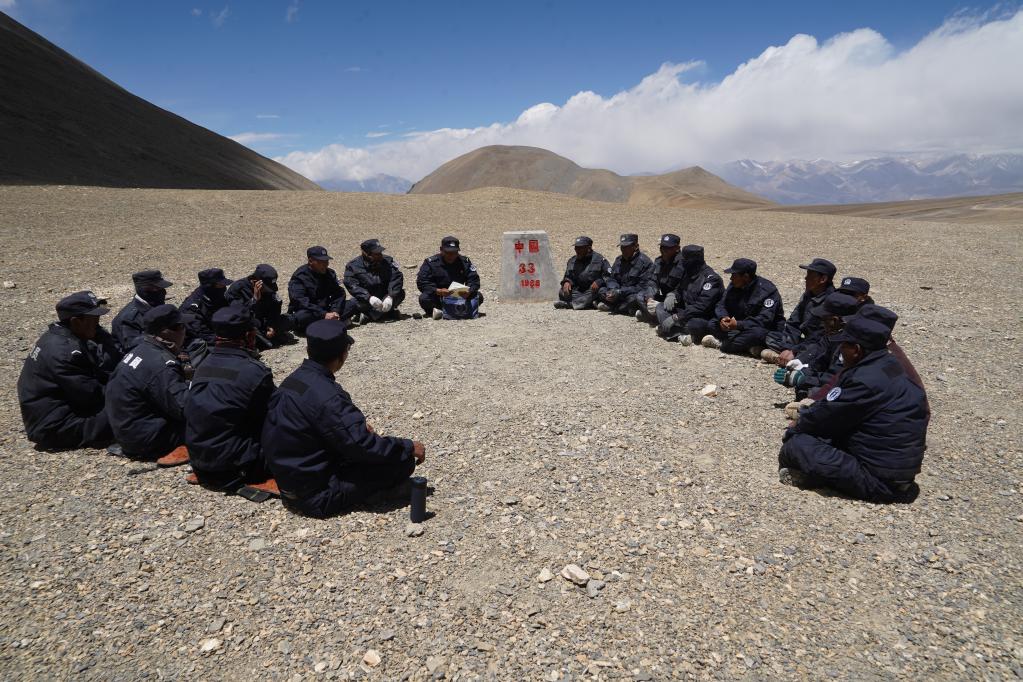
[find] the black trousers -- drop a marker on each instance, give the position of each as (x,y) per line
(731,342)
(828,466)
(350,486)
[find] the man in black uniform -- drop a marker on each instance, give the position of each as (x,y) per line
(146,394)
(750,308)
(584,275)
(62,382)
(630,282)
(226,405)
(375,282)
(258,292)
(694,297)
(785,343)
(669,269)
(324,456)
(150,291)
(314,292)
(867,437)
(819,359)
(198,307)
(437,274)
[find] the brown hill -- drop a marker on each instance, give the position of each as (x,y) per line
(998,209)
(531,168)
(61,122)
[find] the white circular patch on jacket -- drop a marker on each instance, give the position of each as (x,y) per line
(834,393)
(769,303)
(706,286)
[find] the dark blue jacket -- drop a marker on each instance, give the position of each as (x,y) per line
(265,310)
(365,278)
(876,414)
(127,327)
(802,324)
(313,429)
(697,293)
(145,399)
(757,305)
(225,408)
(823,359)
(435,274)
(635,276)
(319,294)
(63,377)
(581,274)
(197,310)
(668,276)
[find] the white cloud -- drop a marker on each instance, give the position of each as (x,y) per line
(852,96)
(249,139)
(218,18)
(196,12)
(8,4)
(291,14)
(372,135)
(267,116)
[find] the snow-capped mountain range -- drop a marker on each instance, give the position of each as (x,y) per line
(887,178)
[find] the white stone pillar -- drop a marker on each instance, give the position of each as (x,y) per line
(527,268)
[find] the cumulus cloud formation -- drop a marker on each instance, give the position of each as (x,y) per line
(849,97)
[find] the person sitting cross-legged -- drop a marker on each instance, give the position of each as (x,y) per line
(438,273)
(322,453)
(631,281)
(584,275)
(375,282)
(750,308)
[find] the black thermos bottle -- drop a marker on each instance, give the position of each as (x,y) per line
(417,513)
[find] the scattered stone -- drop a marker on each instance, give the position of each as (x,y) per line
(414,530)
(217,625)
(435,663)
(209,645)
(623,605)
(8,284)
(575,574)
(546,575)
(417,415)
(194,524)
(372,658)
(709,391)
(386,635)
(256,544)
(511,501)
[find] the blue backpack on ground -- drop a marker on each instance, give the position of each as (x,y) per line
(458,308)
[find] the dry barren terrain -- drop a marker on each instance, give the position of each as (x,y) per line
(553,438)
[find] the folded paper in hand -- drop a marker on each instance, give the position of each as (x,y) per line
(457,289)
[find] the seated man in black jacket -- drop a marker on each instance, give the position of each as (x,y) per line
(439,272)
(867,436)
(802,327)
(258,292)
(694,298)
(375,282)
(314,292)
(62,383)
(198,307)
(226,405)
(750,308)
(150,290)
(317,444)
(630,282)
(146,393)
(584,275)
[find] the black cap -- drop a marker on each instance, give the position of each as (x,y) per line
(628,239)
(692,252)
(79,304)
(821,265)
(150,278)
(670,240)
(449,244)
(264,271)
(161,317)
(583,241)
(372,246)
(877,313)
(866,333)
(836,303)
(327,338)
(854,285)
(745,266)
(317,253)
(211,277)
(232,321)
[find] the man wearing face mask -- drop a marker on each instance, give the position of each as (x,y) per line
(62,383)
(314,292)
(668,272)
(695,295)
(584,275)
(819,360)
(802,327)
(150,291)
(375,282)
(867,436)
(198,308)
(146,395)
(750,308)
(226,405)
(631,282)
(258,292)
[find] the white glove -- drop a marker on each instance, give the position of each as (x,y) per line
(795,364)
(388,304)
(375,303)
(651,306)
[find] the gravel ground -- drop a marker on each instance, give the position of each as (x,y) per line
(553,438)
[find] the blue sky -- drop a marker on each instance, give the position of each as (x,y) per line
(304,75)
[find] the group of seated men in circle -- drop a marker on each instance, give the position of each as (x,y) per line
(185,384)
(861,427)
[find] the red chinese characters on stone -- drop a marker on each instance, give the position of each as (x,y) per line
(534,246)
(518,246)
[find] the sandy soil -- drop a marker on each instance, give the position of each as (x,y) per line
(553,438)
(1004,209)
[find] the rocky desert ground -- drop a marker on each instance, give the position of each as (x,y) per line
(554,438)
